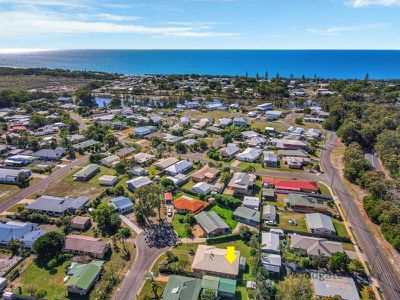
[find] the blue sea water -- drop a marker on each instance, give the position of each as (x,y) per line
(379,64)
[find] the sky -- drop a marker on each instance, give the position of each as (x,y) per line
(199,24)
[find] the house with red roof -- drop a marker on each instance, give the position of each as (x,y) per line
(291,185)
(168,198)
(185,204)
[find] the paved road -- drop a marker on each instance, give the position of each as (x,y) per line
(373,159)
(41,184)
(133,282)
(77,118)
(378,262)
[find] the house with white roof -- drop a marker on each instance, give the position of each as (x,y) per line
(249,155)
(180,167)
(229,151)
(202,188)
(326,285)
(320,224)
(138,182)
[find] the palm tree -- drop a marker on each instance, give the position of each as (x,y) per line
(14,246)
(154,284)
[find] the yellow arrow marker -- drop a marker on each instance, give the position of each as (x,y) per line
(230,254)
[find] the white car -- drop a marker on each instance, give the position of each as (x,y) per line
(169,212)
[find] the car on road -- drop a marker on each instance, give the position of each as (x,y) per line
(169,212)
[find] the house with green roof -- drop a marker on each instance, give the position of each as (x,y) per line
(182,288)
(223,287)
(211,223)
(83,276)
(303,203)
(247,215)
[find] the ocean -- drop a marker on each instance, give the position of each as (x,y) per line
(379,64)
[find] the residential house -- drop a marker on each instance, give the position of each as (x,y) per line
(264,107)
(29,238)
(108,180)
(182,288)
(139,171)
(76,138)
(82,277)
(303,203)
(178,180)
(247,215)
(292,153)
(239,121)
(211,223)
(143,158)
(251,202)
(224,122)
(109,161)
(198,133)
(270,159)
(314,246)
(229,151)
(273,115)
(326,285)
(122,204)
(50,154)
(212,260)
(57,206)
(320,224)
(249,155)
(202,188)
(145,130)
(180,167)
(290,144)
(185,204)
(189,142)
(81,223)
(85,145)
(223,287)
(13,230)
(18,160)
(86,173)
(291,185)
(241,184)
(85,245)
(164,163)
(269,213)
(270,242)
(205,174)
(268,194)
(138,182)
(249,134)
(125,152)
(272,262)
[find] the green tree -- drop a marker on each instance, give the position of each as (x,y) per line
(338,261)
(123,234)
(85,97)
(208,294)
(294,288)
(48,245)
(107,219)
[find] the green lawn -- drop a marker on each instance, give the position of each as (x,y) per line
(103,171)
(324,189)
(188,185)
(284,224)
(180,255)
(15,208)
(226,215)
(147,292)
(178,224)
(340,228)
(153,171)
(50,281)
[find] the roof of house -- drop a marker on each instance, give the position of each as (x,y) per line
(291,185)
(121,202)
(303,200)
(250,153)
(166,162)
(203,187)
(14,230)
(272,259)
(270,241)
(241,180)
(230,150)
(269,209)
(32,236)
(57,204)
(210,221)
(205,172)
(50,153)
(182,288)
(318,221)
(210,282)
(227,285)
(247,213)
(315,245)
(84,244)
(179,167)
(327,285)
(87,171)
(80,220)
(83,275)
(251,201)
(139,181)
(212,259)
(188,203)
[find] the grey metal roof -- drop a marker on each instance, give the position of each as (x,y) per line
(86,171)
(247,213)
(210,221)
(317,220)
(57,204)
(50,153)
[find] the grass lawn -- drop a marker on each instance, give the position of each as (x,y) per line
(348,246)
(179,225)
(147,293)
(103,171)
(9,190)
(284,224)
(188,185)
(340,228)
(226,215)
(261,124)
(324,189)
(50,281)
(181,256)
(153,171)
(15,208)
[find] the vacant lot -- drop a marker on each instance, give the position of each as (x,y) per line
(226,215)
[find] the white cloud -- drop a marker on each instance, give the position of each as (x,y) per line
(364,3)
(336,30)
(17,24)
